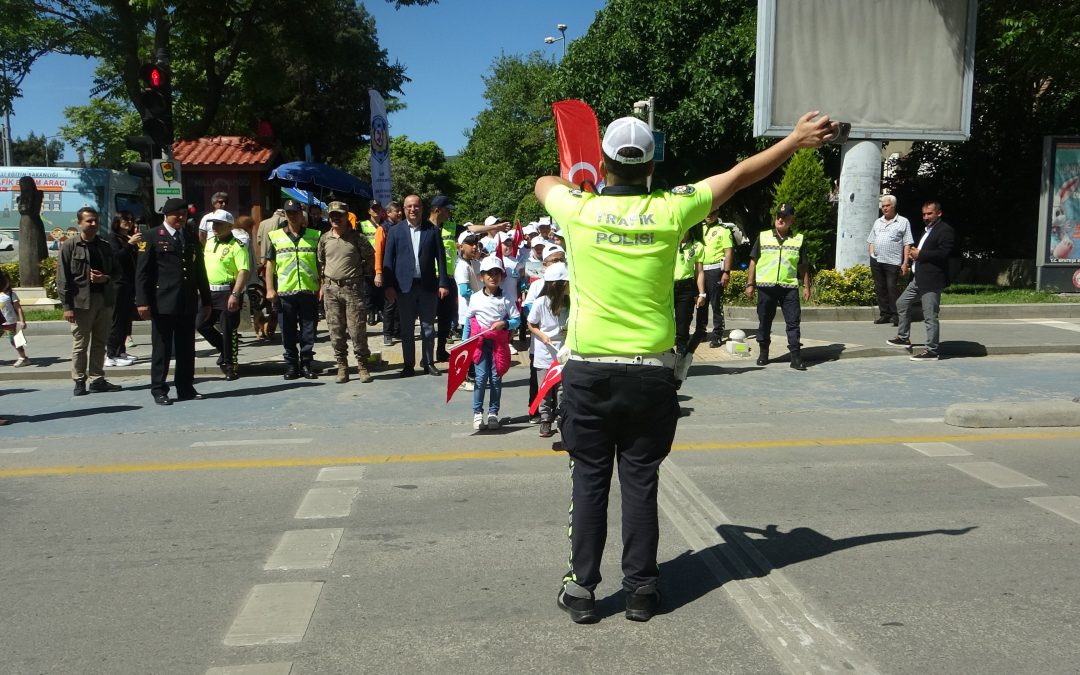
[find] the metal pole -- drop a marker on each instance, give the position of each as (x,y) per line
(860,190)
(7,139)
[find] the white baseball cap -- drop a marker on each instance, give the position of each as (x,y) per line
(552,249)
(537,241)
(221,216)
(492,263)
(625,133)
(531,228)
(557,272)
(490,220)
(465,235)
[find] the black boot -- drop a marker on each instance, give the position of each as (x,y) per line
(292,371)
(763,354)
(796,360)
(307,371)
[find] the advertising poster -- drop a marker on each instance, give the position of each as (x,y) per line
(1064,230)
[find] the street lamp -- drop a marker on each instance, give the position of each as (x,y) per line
(45,143)
(561,27)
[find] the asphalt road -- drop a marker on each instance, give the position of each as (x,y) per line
(824,521)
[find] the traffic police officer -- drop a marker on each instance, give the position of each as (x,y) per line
(717,263)
(292,277)
(620,401)
(170,280)
(776,263)
(228,266)
(446,311)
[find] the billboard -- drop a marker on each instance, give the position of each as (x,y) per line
(1058,256)
(894,69)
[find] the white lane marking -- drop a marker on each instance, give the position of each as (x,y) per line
(919,420)
(341,473)
(938,449)
(327,502)
(1066,507)
(274,614)
(1064,325)
(801,638)
(305,549)
(15,451)
(997,475)
(253,669)
(260,441)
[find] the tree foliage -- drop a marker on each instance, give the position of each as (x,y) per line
(31,151)
(99,131)
(234,62)
(1027,85)
(418,168)
(805,186)
(512,142)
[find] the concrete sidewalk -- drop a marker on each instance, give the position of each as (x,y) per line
(985,330)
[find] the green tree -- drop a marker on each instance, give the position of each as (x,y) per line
(31,151)
(416,168)
(512,142)
(806,187)
(696,58)
(1027,85)
(100,131)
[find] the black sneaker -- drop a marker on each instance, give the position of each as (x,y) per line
(714,343)
(882,319)
(642,603)
(899,342)
(925,355)
(581,610)
(103,385)
(80,388)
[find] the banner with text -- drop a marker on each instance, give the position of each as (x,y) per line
(380,150)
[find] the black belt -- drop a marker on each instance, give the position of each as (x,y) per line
(345,282)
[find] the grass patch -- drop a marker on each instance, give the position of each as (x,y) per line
(33,315)
(978,294)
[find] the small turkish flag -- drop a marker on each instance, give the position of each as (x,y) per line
(552,378)
(519,236)
(461,355)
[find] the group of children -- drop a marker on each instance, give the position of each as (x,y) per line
(488,290)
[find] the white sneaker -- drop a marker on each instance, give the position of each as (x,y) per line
(468,385)
(20,362)
(130,342)
(478,421)
(119,362)
(493,421)
(128,357)
(513,350)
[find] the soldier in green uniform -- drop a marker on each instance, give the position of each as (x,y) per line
(620,402)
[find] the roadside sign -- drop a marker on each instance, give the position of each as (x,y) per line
(166,182)
(658,142)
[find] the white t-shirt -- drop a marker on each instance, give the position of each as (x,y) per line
(553,326)
(534,291)
(491,308)
(206,226)
(466,272)
(7,307)
(512,279)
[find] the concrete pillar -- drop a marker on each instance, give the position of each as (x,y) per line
(860,191)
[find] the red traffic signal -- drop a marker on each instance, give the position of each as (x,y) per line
(153,76)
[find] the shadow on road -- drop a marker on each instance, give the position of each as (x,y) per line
(4,392)
(67,414)
(815,356)
(268,389)
(958,349)
(749,552)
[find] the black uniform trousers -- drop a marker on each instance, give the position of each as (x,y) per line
(886,287)
(686,295)
(714,293)
(768,298)
(222,328)
(172,335)
(123,315)
(446,312)
(622,414)
(297,315)
(391,322)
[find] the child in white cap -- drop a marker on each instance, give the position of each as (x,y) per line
(490,311)
(547,322)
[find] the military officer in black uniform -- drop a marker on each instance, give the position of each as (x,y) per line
(169,282)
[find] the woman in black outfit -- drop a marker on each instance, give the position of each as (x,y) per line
(124,237)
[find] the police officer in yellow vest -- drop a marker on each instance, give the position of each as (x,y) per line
(227,269)
(292,278)
(620,403)
(719,255)
(776,265)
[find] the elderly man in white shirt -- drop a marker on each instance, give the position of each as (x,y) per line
(889,244)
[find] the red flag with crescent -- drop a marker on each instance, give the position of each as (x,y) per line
(579,142)
(519,236)
(461,355)
(552,378)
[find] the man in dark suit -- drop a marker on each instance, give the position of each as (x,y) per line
(414,274)
(169,281)
(931,276)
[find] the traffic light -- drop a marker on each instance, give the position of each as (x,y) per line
(155,101)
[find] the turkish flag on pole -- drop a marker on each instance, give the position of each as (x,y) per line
(461,355)
(579,142)
(519,236)
(552,378)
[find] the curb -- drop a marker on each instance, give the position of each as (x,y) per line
(1049,310)
(1000,415)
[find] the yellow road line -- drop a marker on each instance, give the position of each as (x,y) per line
(296,462)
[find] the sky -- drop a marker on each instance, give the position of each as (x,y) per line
(446,49)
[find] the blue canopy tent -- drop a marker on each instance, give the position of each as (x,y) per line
(313,176)
(302,196)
